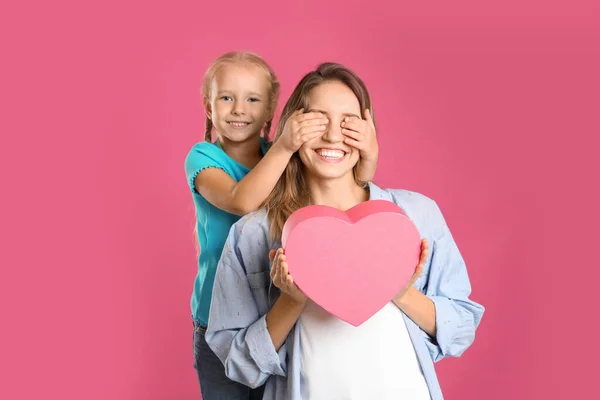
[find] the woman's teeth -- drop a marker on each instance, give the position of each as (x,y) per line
(331,154)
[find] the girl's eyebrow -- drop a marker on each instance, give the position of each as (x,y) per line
(221,92)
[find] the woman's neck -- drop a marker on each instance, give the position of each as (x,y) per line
(248,152)
(342,193)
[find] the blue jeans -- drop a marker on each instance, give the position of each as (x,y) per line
(214,384)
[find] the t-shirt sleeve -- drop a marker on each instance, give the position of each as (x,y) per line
(203,155)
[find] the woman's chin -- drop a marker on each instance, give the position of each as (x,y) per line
(330,173)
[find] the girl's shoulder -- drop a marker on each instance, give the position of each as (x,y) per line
(205,149)
(204,155)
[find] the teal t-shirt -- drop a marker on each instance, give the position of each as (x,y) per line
(213,223)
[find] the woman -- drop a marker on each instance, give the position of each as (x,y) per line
(264,329)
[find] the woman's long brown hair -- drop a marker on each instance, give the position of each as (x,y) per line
(291,191)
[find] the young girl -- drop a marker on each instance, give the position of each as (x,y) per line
(277,335)
(235,175)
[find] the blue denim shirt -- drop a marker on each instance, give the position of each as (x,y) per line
(243,294)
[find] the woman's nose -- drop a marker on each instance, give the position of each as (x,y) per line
(333,131)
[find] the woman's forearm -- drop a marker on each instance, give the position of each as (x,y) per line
(419,308)
(282,317)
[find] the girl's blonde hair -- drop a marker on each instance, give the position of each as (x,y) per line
(291,191)
(233,58)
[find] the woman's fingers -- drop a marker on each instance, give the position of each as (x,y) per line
(424,252)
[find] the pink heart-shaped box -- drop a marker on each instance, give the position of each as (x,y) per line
(351,263)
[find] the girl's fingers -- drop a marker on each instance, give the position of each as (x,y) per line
(310,136)
(369,119)
(353,134)
(355,124)
(308,116)
(314,121)
(311,129)
(354,143)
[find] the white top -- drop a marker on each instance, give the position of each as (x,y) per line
(375,360)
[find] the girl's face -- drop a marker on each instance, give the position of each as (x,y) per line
(239,103)
(327,156)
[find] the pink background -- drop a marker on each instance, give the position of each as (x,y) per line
(492,110)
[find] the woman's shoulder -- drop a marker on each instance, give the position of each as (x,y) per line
(252,228)
(402,197)
(249,243)
(420,208)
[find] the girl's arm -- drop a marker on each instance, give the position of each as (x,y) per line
(245,196)
(366,169)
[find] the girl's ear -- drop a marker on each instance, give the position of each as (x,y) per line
(270,112)
(272,109)
(207,109)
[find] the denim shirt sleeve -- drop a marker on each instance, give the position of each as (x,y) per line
(237,332)
(448,286)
